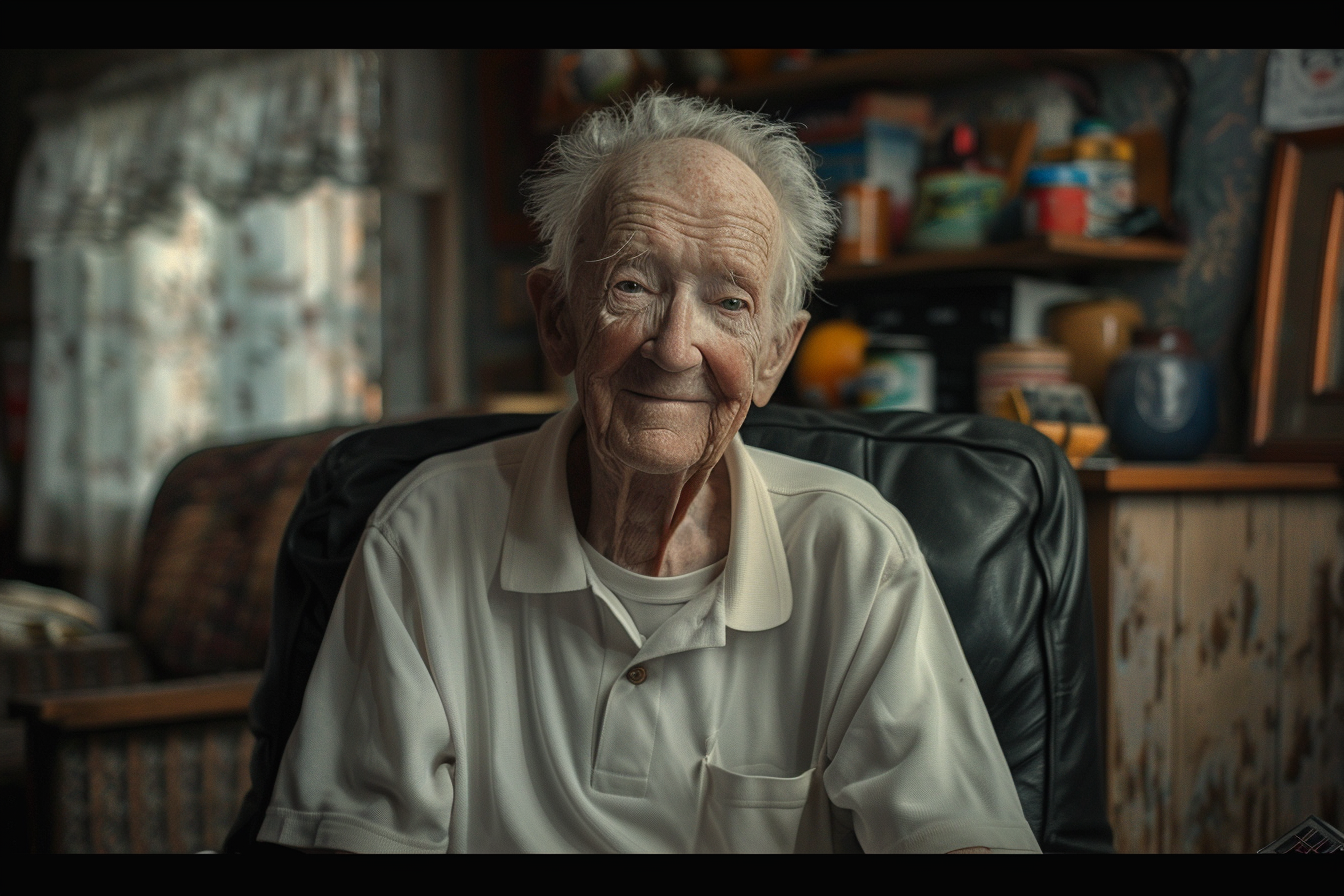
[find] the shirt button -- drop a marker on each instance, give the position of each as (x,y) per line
(637,675)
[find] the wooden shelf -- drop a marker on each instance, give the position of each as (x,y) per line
(908,68)
(138,704)
(1212,475)
(895,68)
(1041,253)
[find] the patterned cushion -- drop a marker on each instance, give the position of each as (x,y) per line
(201,603)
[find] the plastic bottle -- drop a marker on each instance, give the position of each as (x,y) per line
(1108,161)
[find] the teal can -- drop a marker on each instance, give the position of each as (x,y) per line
(955,208)
(899,374)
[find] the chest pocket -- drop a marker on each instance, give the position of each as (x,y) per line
(752,813)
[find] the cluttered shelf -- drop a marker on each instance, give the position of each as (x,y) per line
(1043,252)
(905,67)
(756,77)
(938,196)
(920,192)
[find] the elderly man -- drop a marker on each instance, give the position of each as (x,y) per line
(627,631)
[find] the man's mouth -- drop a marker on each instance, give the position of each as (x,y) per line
(679,398)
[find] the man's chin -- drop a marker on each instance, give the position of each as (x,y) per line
(658,452)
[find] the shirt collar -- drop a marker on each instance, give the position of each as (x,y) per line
(542,554)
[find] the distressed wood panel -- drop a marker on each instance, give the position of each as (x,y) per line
(1225,671)
(1139,699)
(1311,695)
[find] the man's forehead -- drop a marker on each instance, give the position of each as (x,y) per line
(691,178)
(698,170)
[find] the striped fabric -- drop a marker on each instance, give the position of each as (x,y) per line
(96,661)
(167,789)
(202,601)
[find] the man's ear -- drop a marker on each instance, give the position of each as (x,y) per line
(554,328)
(778,353)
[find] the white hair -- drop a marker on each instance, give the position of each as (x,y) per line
(559,191)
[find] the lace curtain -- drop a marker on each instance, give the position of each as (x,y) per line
(206,268)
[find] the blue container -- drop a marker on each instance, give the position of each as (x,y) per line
(1161,400)
(1055,175)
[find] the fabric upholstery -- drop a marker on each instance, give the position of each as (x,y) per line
(94,661)
(168,788)
(201,602)
(995,506)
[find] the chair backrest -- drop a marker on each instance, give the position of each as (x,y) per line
(201,598)
(995,506)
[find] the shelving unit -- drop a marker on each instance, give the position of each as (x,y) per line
(899,68)
(971,291)
(922,69)
(1211,475)
(1041,253)
(915,69)
(907,68)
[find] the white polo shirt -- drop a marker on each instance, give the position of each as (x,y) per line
(479,689)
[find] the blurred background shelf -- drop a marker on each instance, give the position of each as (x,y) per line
(1227,475)
(1040,253)
(910,68)
(870,68)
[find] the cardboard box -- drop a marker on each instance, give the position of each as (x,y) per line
(885,154)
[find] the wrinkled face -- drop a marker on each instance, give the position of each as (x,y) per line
(675,330)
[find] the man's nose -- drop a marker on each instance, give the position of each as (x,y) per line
(674,345)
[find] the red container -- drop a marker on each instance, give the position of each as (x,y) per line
(1055,200)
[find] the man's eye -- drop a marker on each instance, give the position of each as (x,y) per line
(629,286)
(733,304)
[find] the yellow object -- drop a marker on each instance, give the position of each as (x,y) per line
(1089,146)
(829,360)
(1079,441)
(1109,148)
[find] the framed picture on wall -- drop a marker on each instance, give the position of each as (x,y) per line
(1297,383)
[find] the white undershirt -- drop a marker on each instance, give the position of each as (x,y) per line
(651,600)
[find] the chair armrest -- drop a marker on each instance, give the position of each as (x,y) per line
(96,661)
(141,704)
(158,767)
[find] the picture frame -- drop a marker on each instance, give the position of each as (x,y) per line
(1297,381)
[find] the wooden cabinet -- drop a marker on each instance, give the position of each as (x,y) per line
(1219,591)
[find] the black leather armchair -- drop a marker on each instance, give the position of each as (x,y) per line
(995,506)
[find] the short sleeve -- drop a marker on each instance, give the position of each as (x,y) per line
(916,760)
(368,767)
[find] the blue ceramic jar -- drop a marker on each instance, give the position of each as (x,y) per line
(1161,399)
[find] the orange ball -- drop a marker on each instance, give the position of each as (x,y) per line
(829,360)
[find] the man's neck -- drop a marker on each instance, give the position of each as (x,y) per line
(654,525)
